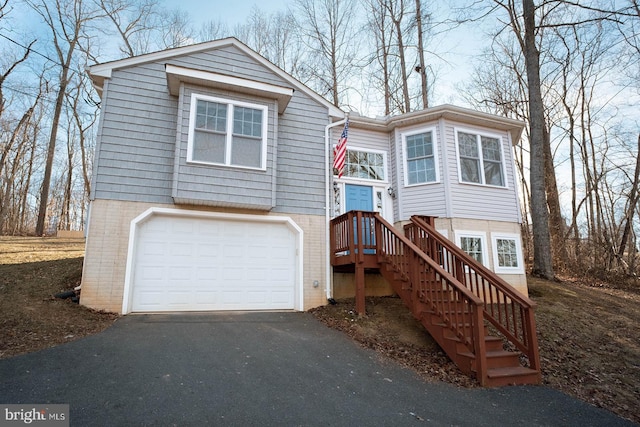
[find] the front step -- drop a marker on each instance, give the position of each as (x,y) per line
(515,375)
(495,359)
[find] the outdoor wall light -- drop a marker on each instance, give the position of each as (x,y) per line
(391,192)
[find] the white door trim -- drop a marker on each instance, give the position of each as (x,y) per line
(157,211)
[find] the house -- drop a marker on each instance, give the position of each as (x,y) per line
(212,187)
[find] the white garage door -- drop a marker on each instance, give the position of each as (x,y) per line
(195,264)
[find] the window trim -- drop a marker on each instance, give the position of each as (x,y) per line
(519,255)
(459,234)
(478,134)
(231,104)
(405,159)
(367,180)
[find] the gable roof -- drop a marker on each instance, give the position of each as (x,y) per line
(100,72)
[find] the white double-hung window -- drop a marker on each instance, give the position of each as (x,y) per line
(229,133)
(480,159)
(420,157)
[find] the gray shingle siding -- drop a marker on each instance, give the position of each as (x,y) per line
(137,137)
(140,138)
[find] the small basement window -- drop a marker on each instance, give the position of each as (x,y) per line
(507,253)
(229,133)
(474,244)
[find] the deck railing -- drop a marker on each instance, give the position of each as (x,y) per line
(345,230)
(505,308)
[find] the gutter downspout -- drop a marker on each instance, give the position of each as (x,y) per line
(328,175)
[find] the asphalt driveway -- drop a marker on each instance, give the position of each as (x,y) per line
(262,369)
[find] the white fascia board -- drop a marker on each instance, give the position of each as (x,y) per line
(177,74)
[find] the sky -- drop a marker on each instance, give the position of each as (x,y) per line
(452,64)
(231,11)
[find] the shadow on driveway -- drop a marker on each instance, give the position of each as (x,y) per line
(260,369)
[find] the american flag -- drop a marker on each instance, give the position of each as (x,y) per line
(340,152)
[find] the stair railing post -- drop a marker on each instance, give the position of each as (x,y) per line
(360,237)
(350,229)
(479,343)
(360,293)
(378,236)
(532,340)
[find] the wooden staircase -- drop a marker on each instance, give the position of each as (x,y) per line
(484,325)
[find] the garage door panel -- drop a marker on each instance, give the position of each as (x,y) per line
(187,264)
(207,250)
(179,273)
(181,249)
(207,273)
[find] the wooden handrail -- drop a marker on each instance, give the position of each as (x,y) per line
(460,309)
(509,311)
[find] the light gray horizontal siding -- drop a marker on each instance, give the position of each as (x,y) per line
(137,137)
(427,199)
(424,200)
(231,61)
(477,201)
(395,174)
(466,201)
(362,138)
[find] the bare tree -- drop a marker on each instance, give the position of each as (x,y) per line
(66,21)
(542,261)
(9,169)
(398,12)
(12,66)
(379,26)
(134,21)
(328,30)
(176,29)
(274,36)
(422,67)
(631,208)
(213,30)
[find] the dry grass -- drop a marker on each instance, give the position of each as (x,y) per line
(32,270)
(589,341)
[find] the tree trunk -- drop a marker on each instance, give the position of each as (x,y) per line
(542,260)
(51,151)
(423,66)
(633,200)
(556,222)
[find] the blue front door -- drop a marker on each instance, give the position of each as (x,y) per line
(360,198)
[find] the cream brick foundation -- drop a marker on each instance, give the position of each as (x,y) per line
(107,247)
